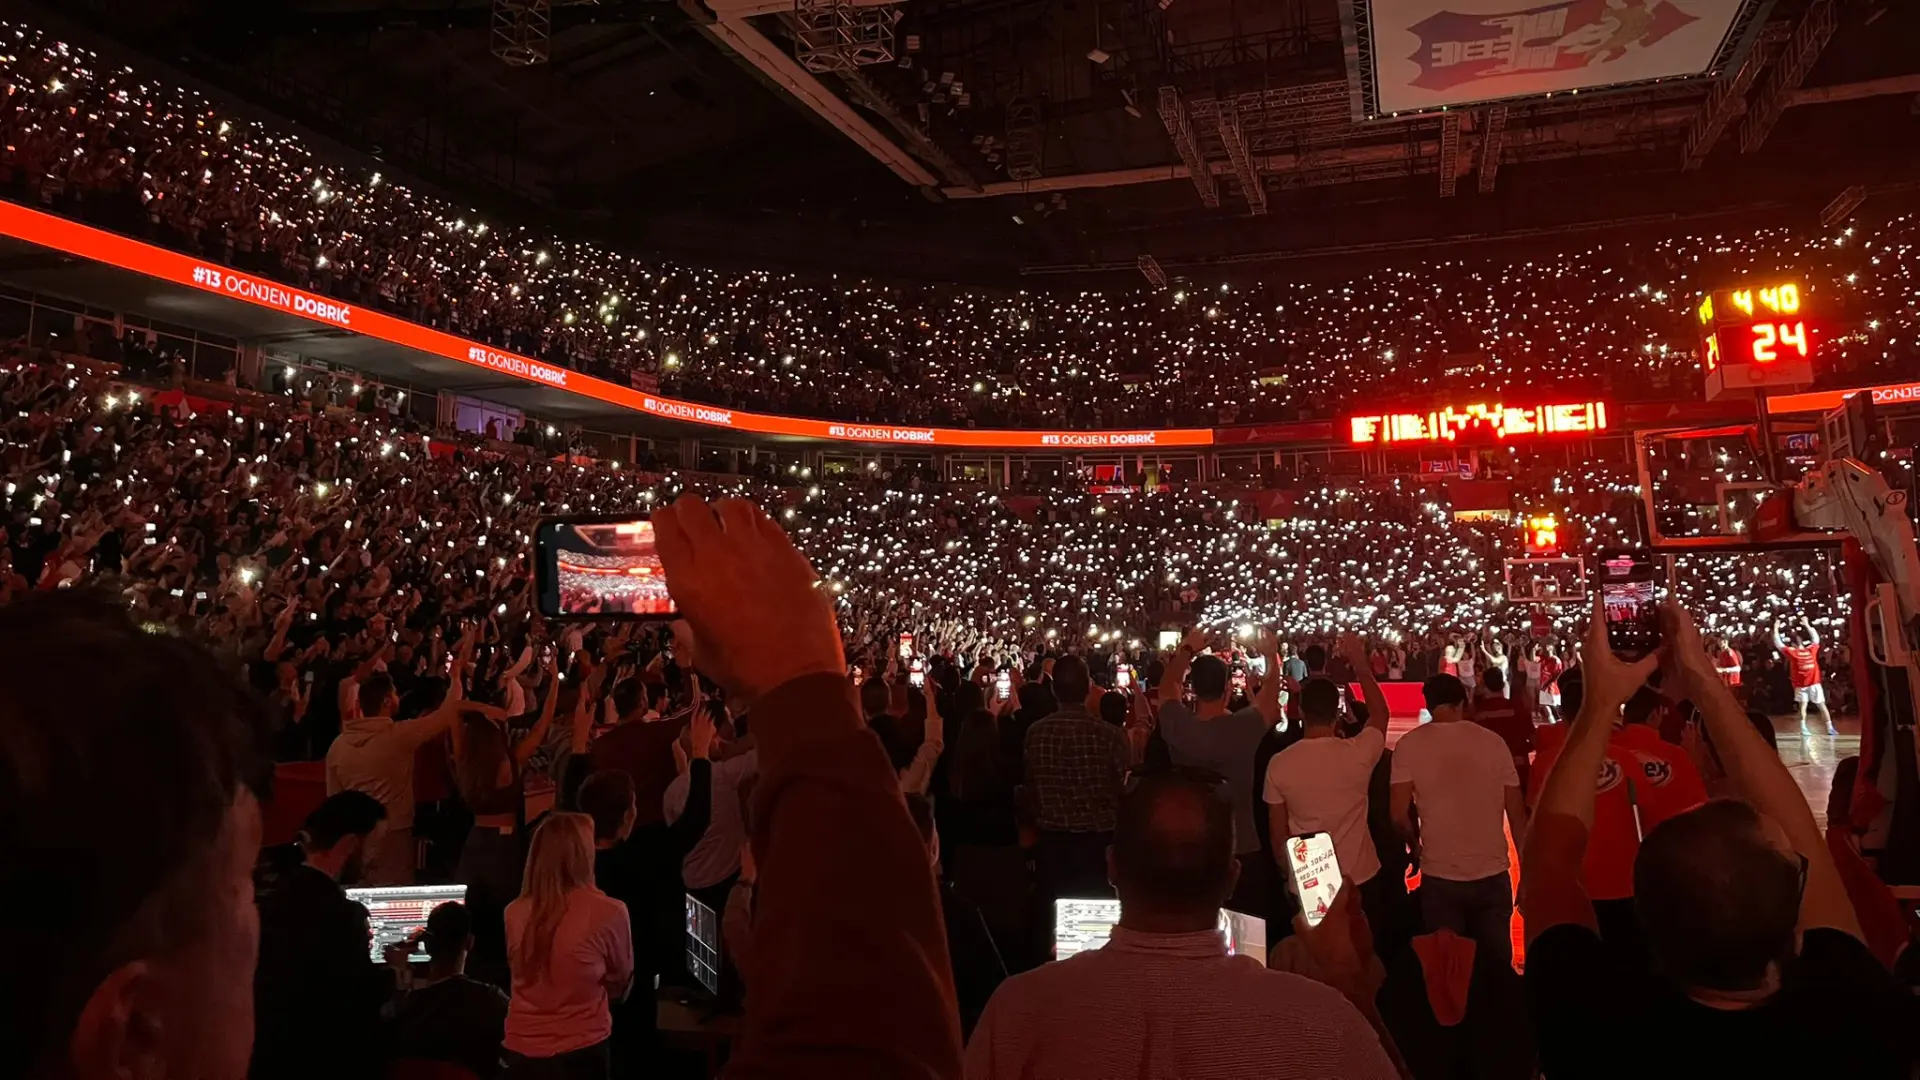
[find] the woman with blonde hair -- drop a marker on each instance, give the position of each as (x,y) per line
(571,948)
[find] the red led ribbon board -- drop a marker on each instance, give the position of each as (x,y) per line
(86,242)
(1754,337)
(1478,423)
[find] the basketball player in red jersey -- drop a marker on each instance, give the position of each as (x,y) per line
(1803,671)
(1726,661)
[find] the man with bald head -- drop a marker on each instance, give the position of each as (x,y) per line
(1163,997)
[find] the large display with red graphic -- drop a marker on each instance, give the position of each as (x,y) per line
(1431,54)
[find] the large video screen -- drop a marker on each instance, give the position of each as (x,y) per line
(1430,53)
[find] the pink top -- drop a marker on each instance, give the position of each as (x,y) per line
(565,1007)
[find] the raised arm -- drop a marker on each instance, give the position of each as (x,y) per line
(1354,648)
(1755,773)
(1773,634)
(839,989)
(1555,848)
(1813,636)
(1268,698)
(531,742)
(1175,675)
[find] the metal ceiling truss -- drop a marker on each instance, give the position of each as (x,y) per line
(1449,154)
(1776,94)
(1023,140)
(830,35)
(1493,142)
(522,31)
(1179,124)
(1235,141)
(1726,100)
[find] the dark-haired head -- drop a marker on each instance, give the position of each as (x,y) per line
(1718,895)
(1071,683)
(130,763)
(608,798)
(377,695)
(1209,678)
(1315,657)
(1319,701)
(1445,695)
(1172,859)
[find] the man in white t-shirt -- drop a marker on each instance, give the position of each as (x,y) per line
(1319,784)
(1461,778)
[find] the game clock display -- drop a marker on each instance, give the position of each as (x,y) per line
(1755,336)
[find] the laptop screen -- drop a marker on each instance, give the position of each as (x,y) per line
(1082,924)
(396,912)
(703,945)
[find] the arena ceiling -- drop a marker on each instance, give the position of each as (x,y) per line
(1035,137)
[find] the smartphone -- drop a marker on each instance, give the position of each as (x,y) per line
(906,646)
(599,568)
(1316,873)
(1240,682)
(1003,685)
(1122,677)
(917,674)
(1627,591)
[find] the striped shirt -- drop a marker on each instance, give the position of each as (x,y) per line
(1150,1006)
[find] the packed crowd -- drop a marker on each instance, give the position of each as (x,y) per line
(373,581)
(108,145)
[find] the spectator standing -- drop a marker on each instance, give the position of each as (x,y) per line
(1163,997)
(1506,717)
(1076,764)
(375,754)
(1461,780)
(129,766)
(572,952)
(1762,966)
(315,973)
(710,868)
(1319,784)
(447,1016)
(1211,737)
(1642,781)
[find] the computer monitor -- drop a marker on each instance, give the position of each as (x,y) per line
(396,912)
(704,958)
(1246,934)
(1082,924)
(1085,923)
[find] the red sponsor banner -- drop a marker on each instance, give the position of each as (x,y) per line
(97,245)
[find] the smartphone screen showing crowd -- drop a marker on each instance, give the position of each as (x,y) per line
(1627,586)
(600,568)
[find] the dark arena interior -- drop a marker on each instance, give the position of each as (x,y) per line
(485,480)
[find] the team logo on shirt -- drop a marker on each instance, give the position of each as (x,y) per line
(1658,772)
(1610,775)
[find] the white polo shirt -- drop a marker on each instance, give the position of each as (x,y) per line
(1324,784)
(1460,774)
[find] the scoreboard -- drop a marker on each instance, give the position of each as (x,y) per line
(1754,337)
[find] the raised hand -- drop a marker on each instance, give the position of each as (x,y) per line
(758,616)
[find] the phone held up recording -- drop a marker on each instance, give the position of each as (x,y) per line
(1630,601)
(600,568)
(1316,873)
